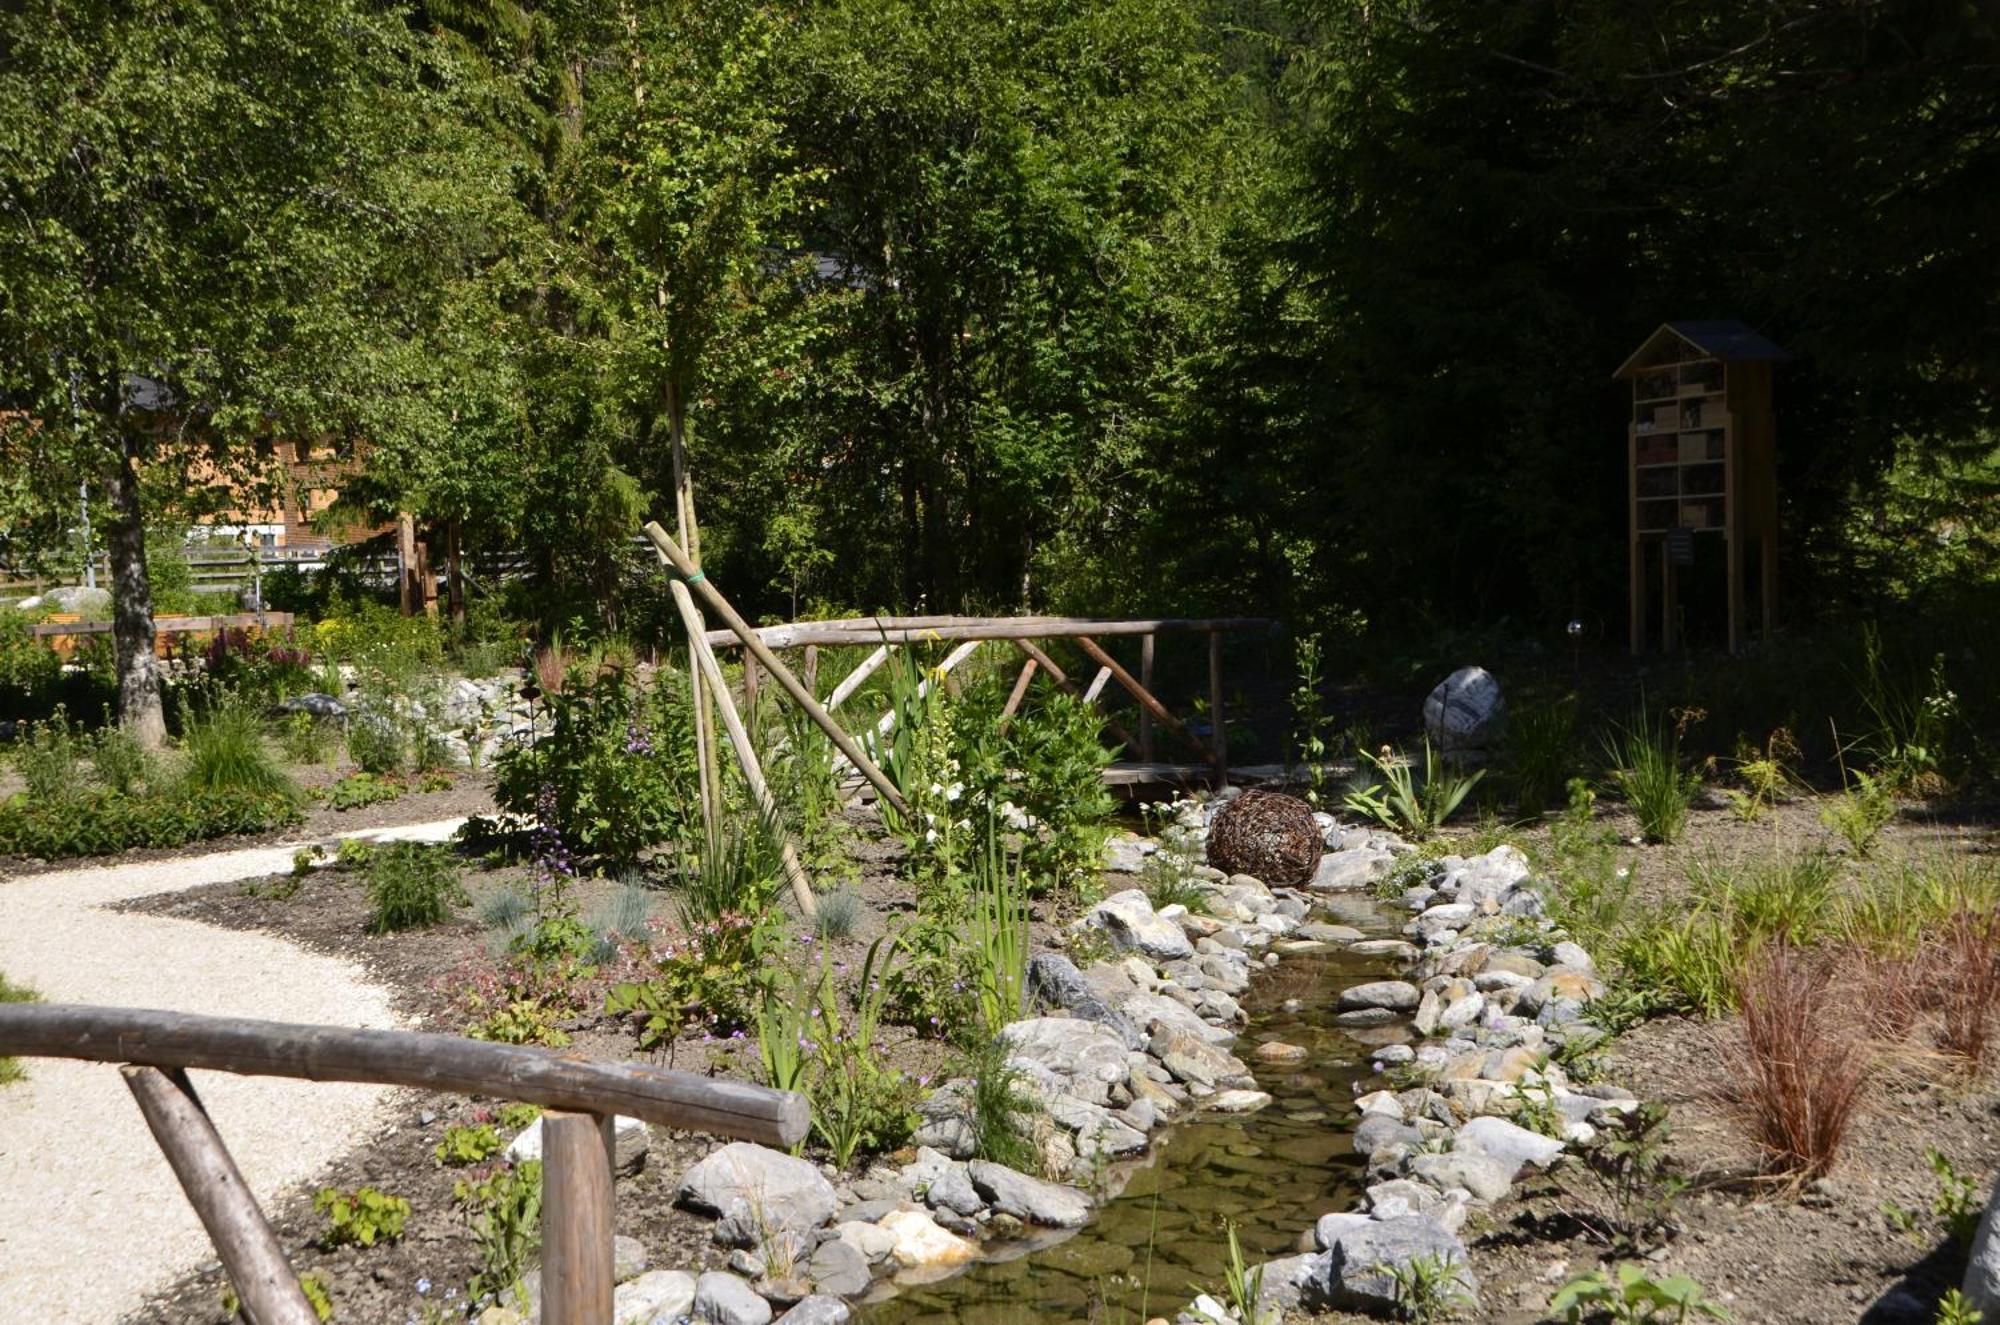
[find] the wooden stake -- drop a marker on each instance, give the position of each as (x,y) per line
(1096,686)
(1019,692)
(690,532)
(781,673)
(1146,680)
(215,1188)
(577,1255)
(746,753)
(1215,720)
(854,680)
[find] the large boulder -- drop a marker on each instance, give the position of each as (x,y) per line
(1466,713)
(1361,1252)
(1129,920)
(759,1192)
(1028,1198)
(1085,1058)
(1267,835)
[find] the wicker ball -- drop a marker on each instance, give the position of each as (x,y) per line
(1268,835)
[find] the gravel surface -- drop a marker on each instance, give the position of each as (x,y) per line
(91,1218)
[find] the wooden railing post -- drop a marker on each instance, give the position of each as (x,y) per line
(1219,741)
(243,1239)
(577,1260)
(1146,680)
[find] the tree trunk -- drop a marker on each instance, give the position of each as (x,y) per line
(139,707)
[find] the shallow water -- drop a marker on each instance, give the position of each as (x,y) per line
(1164,1238)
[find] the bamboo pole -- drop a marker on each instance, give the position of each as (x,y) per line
(577,1254)
(746,753)
(404,1058)
(249,1250)
(1160,712)
(781,673)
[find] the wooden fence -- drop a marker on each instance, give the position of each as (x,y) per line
(155,1049)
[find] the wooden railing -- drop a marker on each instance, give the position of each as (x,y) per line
(155,1049)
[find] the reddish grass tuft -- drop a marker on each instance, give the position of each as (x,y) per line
(1967,985)
(1801,1064)
(1896,989)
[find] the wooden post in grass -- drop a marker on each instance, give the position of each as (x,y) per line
(577,1255)
(746,753)
(842,742)
(243,1239)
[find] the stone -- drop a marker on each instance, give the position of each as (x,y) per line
(1049,1204)
(1508,1142)
(952,1190)
(1982,1267)
(1462,1012)
(630,1141)
(948,1123)
(1382,1102)
(316,702)
(1353,868)
(628,1258)
(1277,1051)
(1393,949)
(1395,995)
(758,1191)
(1156,1012)
(1087,1058)
(873,1242)
(1129,920)
(1489,877)
(921,1244)
(1466,713)
(724,1299)
(819,1309)
(1320,932)
(657,1295)
(1237,1101)
(1285,1281)
(837,1268)
(1053,980)
(1485,1176)
(1379,1131)
(1573,956)
(1197,1061)
(1360,1252)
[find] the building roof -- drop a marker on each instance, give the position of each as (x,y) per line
(1725,339)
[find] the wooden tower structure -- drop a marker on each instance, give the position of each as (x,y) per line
(1702,468)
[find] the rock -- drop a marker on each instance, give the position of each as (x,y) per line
(1277,1051)
(1379,1131)
(1268,835)
(1129,920)
(1353,868)
(1197,1061)
(839,1269)
(1466,712)
(1393,949)
(1286,1280)
(952,1190)
(819,1309)
(628,1258)
(757,1192)
(723,1299)
(1508,1142)
(1360,1250)
(1237,1101)
(1127,855)
(1462,1012)
(921,1244)
(1382,1102)
(1395,995)
(1485,1176)
(1320,932)
(1054,981)
(1087,1058)
(662,1295)
(318,703)
(630,1141)
(871,1240)
(1038,1202)
(1982,1267)
(1156,1011)
(948,1122)
(1573,956)
(1487,878)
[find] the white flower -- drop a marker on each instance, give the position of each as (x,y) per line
(955,790)
(937,788)
(930,834)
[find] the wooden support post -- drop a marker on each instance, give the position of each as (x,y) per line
(1144,696)
(746,753)
(1146,680)
(781,673)
(406,563)
(1018,693)
(855,679)
(249,1250)
(427,583)
(1041,659)
(1096,686)
(811,677)
(577,1260)
(1219,730)
(750,689)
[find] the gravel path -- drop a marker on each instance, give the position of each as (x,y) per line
(91,1219)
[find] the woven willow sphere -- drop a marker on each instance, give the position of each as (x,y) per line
(1267,835)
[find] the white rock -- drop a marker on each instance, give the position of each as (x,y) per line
(655,1295)
(1129,920)
(1237,1101)
(630,1137)
(920,1243)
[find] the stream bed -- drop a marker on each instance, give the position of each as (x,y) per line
(1272,1173)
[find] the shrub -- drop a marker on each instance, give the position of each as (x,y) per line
(376,745)
(617,766)
(1801,1063)
(1646,768)
(225,752)
(305,739)
(30,671)
(357,790)
(411,885)
(504,1208)
(1001,1108)
(998,945)
(469,1145)
(104,821)
(859,1104)
(362,1217)
(1543,752)
(839,915)
(709,974)
(1403,804)
(1860,812)
(1430,1289)
(119,761)
(1058,754)
(50,761)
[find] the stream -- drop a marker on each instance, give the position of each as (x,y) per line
(1164,1237)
